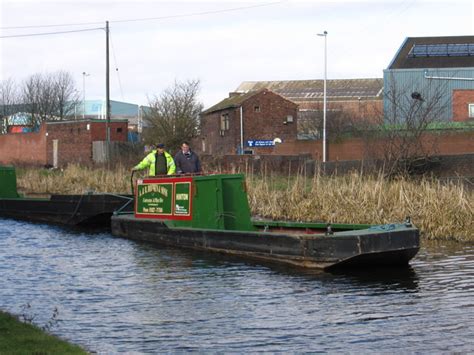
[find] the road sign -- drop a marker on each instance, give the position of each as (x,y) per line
(260,143)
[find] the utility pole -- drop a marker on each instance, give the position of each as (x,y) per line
(107,90)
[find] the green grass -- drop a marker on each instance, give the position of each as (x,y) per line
(22,338)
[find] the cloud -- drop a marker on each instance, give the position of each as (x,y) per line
(275,42)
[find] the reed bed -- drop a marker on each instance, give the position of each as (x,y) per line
(442,211)
(74,179)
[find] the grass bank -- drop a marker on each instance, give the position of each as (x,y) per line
(442,211)
(20,338)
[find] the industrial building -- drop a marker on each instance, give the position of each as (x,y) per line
(432,68)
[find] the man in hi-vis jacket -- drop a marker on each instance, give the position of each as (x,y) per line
(158,162)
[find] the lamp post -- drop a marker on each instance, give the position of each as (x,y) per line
(324,34)
(84,74)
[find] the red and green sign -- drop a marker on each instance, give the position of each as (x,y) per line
(164,198)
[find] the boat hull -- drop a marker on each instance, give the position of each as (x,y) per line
(392,246)
(84,210)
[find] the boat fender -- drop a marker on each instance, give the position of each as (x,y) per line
(408,221)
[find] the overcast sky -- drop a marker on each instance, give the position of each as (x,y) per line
(221,43)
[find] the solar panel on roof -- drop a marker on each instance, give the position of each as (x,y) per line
(442,50)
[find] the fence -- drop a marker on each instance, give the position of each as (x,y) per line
(446,166)
(119,152)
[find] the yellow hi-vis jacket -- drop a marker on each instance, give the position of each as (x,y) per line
(149,162)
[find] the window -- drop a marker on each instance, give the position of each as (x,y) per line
(119,130)
(471,110)
(256,109)
(224,125)
(289,119)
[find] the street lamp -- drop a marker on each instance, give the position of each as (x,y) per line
(324,34)
(84,74)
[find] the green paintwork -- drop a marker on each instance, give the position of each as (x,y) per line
(182,198)
(155,198)
(8,182)
(219,202)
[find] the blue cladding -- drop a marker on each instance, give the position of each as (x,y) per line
(97,108)
(427,82)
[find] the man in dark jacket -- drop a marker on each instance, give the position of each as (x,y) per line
(187,161)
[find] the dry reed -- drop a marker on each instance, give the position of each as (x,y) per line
(74,179)
(441,210)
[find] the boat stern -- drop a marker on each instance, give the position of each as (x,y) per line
(385,245)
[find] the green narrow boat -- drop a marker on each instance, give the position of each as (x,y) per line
(92,210)
(211,213)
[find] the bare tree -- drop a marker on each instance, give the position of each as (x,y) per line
(38,98)
(173,116)
(401,140)
(49,97)
(9,101)
(338,124)
(67,96)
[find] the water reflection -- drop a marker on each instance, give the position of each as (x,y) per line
(115,295)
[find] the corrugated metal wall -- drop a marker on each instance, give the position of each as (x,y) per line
(427,82)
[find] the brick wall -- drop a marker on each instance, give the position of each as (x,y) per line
(271,120)
(74,142)
(118,131)
(74,139)
(23,148)
(447,143)
(461,101)
(212,142)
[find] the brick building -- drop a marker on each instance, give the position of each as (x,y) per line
(348,101)
(58,143)
(463,105)
(253,121)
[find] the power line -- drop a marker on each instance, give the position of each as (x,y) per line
(45,26)
(198,13)
(147,18)
(52,33)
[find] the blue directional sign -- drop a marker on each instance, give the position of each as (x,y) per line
(260,143)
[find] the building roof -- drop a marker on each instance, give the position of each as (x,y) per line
(235,99)
(435,52)
(313,90)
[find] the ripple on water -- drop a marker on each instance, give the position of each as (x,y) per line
(115,295)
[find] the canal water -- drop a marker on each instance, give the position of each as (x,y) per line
(115,295)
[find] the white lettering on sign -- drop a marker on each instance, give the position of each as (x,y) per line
(182,197)
(153,188)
